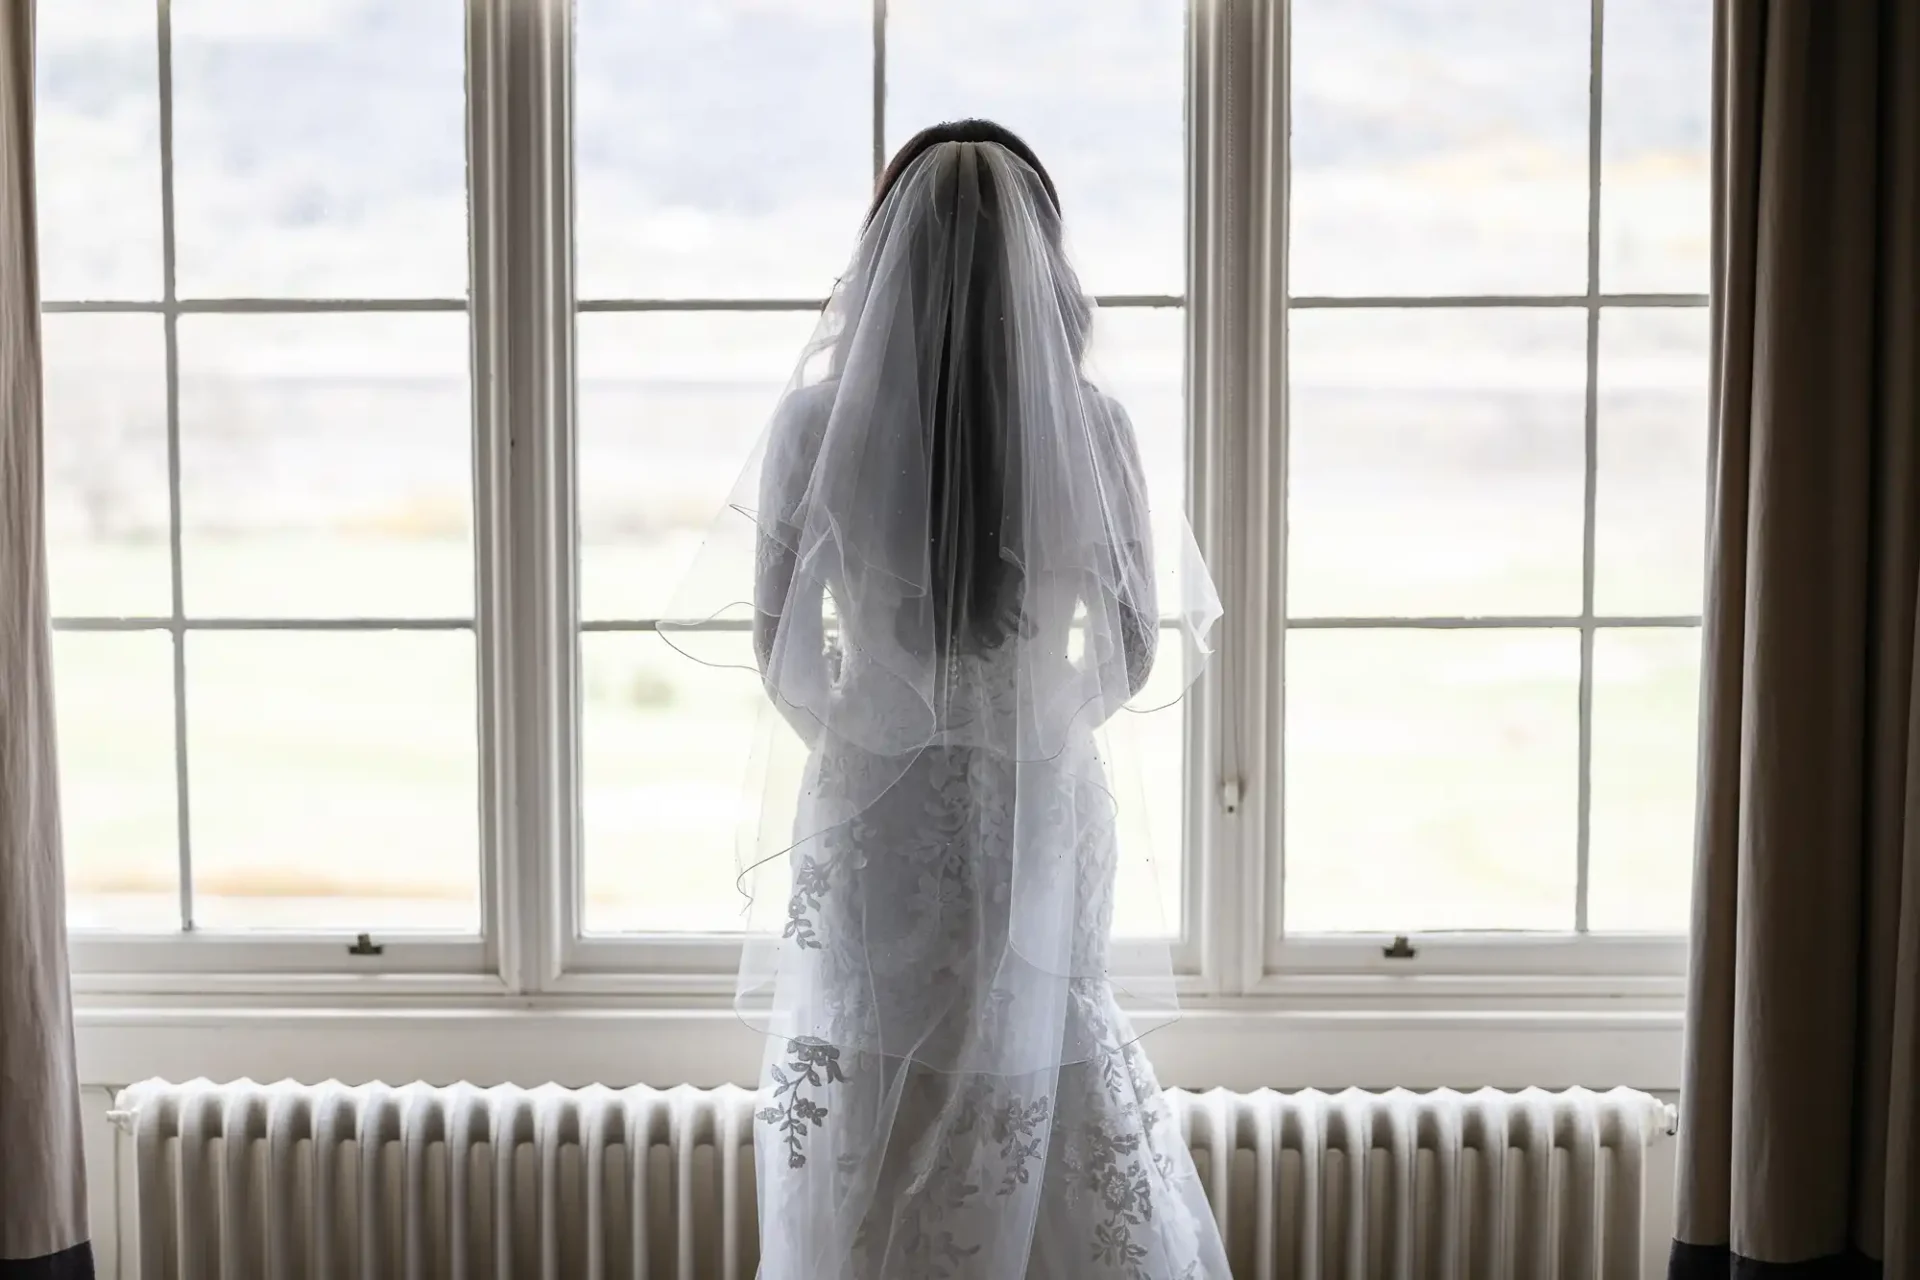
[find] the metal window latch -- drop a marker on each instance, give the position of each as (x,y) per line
(1401,949)
(364,945)
(1230,795)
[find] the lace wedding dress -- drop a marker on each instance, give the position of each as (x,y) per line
(955,593)
(874,1164)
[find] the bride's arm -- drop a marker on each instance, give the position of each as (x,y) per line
(1139,608)
(787,614)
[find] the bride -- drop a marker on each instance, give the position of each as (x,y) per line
(955,591)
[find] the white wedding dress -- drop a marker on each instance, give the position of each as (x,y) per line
(952,1087)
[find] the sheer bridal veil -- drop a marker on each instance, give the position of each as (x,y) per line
(943,550)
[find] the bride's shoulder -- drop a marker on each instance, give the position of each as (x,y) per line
(801,419)
(803,411)
(1108,411)
(810,399)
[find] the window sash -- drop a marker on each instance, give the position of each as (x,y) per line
(197,961)
(1282,955)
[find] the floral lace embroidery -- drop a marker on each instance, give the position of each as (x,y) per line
(1099,1139)
(812,1064)
(1017,1127)
(810,884)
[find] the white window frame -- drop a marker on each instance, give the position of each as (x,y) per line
(706,964)
(189,961)
(1518,968)
(1502,1006)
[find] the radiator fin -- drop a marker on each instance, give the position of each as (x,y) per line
(311,1182)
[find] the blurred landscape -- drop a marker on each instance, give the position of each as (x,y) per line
(725,150)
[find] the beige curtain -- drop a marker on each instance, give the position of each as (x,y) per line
(43,1225)
(1800,1144)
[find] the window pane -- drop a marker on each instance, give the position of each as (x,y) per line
(671,403)
(664,781)
(1437,462)
(118,815)
(1431,780)
(97,149)
(106,465)
(1654,125)
(1646,716)
(334,780)
(320,148)
(1439,149)
(1097,88)
(1651,489)
(326,466)
(724,148)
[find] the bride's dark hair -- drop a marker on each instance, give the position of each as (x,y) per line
(976,475)
(960,131)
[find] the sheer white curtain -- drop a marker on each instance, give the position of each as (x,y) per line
(43,1223)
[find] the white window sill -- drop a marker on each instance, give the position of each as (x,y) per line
(1328,1041)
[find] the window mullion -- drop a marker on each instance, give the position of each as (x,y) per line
(523,374)
(487,181)
(879,88)
(1583,840)
(556,523)
(1266,451)
(1236,284)
(170,337)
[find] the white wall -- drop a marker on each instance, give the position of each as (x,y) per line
(111,1221)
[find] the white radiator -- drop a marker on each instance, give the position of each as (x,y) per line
(314,1182)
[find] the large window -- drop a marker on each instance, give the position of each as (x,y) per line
(260,493)
(398,353)
(1496,472)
